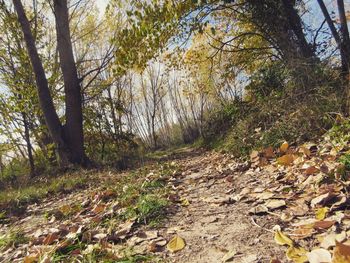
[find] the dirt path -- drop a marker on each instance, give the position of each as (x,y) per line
(211,218)
(215,224)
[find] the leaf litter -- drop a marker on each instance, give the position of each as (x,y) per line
(294,195)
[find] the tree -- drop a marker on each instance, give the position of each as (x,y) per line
(342,39)
(68,137)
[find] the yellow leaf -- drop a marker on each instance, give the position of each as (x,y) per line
(286,159)
(297,254)
(341,253)
(31,258)
(176,244)
(321,213)
(185,202)
(65,209)
(282,239)
(284,147)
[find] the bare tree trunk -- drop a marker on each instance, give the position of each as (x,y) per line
(344,30)
(45,99)
(343,42)
(73,129)
(295,24)
(345,47)
(335,35)
(28,144)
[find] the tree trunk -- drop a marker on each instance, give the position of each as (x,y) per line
(73,129)
(344,30)
(45,99)
(345,50)
(28,144)
(295,24)
(335,35)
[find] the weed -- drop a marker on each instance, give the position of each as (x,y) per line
(151,209)
(15,200)
(345,160)
(13,239)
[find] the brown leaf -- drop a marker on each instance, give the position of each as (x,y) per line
(303,232)
(99,208)
(341,253)
(323,224)
(311,170)
(268,152)
(50,239)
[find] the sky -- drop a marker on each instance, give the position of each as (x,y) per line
(101,4)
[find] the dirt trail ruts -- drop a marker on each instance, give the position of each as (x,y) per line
(214,224)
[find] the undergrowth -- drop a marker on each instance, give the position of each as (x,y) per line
(275,109)
(15,200)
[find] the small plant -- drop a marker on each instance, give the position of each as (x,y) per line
(12,240)
(151,209)
(340,132)
(345,160)
(137,259)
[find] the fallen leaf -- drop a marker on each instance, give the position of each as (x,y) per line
(282,239)
(176,244)
(152,247)
(303,232)
(275,203)
(31,258)
(331,239)
(286,160)
(268,152)
(311,170)
(323,224)
(99,208)
(319,255)
(254,156)
(100,236)
(297,254)
(305,150)
(341,253)
(185,202)
(265,195)
(284,147)
(321,213)
(50,239)
(229,256)
(124,229)
(65,209)
(322,199)
(258,209)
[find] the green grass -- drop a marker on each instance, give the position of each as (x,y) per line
(13,239)
(15,200)
(141,194)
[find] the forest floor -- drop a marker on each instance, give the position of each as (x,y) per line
(217,210)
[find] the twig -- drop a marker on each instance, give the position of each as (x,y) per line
(255,224)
